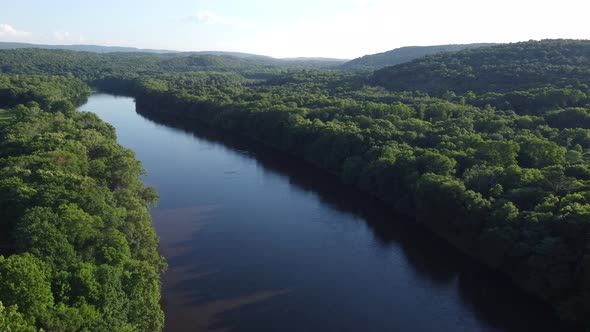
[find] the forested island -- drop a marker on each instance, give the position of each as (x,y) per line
(487,147)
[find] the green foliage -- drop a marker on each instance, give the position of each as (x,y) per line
(487,147)
(25,282)
(73,212)
(97,66)
(5,116)
(47,91)
(501,68)
(487,171)
(13,321)
(401,55)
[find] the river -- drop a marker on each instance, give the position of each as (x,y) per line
(258,241)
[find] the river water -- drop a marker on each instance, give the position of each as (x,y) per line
(258,241)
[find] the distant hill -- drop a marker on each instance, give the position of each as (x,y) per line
(316,59)
(90,66)
(238,55)
(401,55)
(261,60)
(327,63)
(314,62)
(82,48)
(500,68)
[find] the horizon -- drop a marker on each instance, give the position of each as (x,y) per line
(362,165)
(168,51)
(344,29)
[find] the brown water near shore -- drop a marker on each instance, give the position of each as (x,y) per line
(258,241)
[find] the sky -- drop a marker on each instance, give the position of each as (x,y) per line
(299,28)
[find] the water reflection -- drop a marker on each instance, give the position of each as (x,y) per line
(494,299)
(259,241)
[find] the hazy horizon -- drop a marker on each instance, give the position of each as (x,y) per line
(57,45)
(343,29)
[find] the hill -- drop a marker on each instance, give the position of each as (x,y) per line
(403,54)
(493,158)
(308,62)
(320,62)
(501,68)
(81,48)
(90,66)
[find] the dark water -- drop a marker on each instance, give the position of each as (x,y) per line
(257,241)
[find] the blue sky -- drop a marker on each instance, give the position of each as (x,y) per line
(328,28)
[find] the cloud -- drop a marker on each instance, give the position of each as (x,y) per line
(205,16)
(7,30)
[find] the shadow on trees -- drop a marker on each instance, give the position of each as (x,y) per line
(490,296)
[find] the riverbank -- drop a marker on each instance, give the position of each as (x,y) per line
(153,109)
(258,240)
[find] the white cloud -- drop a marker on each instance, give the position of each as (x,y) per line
(205,16)
(9,31)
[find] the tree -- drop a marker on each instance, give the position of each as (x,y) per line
(13,321)
(25,282)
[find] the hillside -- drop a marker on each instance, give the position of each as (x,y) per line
(401,55)
(91,66)
(81,48)
(501,68)
(500,172)
(307,62)
(508,184)
(330,63)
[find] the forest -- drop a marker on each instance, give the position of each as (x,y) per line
(487,147)
(78,250)
(401,55)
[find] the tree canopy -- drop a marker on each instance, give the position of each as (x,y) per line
(487,147)
(80,252)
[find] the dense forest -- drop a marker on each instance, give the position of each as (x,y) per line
(402,55)
(81,48)
(91,66)
(487,147)
(504,68)
(78,250)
